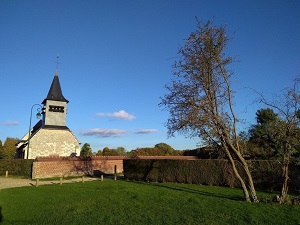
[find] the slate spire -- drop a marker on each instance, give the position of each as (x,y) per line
(55,92)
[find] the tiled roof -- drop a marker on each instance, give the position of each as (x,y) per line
(55,92)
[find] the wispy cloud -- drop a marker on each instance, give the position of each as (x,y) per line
(122,114)
(98,132)
(11,123)
(146,131)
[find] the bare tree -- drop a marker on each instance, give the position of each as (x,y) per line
(200,98)
(287,106)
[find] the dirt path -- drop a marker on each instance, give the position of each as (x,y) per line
(8,182)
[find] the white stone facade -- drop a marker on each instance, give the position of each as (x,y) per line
(53,142)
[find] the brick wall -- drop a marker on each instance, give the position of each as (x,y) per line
(45,167)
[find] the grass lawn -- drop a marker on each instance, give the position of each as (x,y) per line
(125,202)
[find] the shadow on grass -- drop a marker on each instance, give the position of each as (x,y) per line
(190,190)
(0,214)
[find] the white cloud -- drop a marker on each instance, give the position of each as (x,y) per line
(98,132)
(122,114)
(146,131)
(11,123)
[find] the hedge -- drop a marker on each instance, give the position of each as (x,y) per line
(16,167)
(216,172)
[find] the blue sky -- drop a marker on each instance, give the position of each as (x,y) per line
(115,58)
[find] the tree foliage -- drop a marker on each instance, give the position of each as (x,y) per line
(146,151)
(86,150)
(119,151)
(200,98)
(287,133)
(160,149)
(99,153)
(263,136)
(1,150)
(8,150)
(206,152)
(164,149)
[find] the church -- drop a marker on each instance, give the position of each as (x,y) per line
(50,136)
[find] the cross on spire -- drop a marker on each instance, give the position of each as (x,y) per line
(57,62)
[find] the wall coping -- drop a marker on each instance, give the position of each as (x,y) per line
(79,158)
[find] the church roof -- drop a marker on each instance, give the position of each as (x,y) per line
(55,92)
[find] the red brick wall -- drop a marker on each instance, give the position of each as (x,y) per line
(76,166)
(44,167)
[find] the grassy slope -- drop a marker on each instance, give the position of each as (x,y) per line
(121,202)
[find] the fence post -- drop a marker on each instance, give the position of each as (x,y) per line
(60,180)
(101,177)
(37,182)
(6,173)
(82,179)
(115,172)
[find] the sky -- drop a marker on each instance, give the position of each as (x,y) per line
(115,57)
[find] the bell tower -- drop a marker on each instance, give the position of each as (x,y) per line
(50,136)
(55,105)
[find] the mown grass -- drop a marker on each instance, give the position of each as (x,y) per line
(125,202)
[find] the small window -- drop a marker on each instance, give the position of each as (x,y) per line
(54,108)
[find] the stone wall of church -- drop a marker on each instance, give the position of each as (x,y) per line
(53,142)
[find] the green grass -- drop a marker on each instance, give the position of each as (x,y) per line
(125,202)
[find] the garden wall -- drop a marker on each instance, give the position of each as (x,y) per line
(44,167)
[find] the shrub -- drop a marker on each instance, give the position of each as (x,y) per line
(218,172)
(16,167)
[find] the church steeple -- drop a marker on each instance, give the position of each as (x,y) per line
(55,105)
(51,136)
(55,92)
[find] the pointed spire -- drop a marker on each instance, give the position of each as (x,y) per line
(55,92)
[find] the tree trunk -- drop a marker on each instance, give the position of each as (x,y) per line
(285,177)
(246,169)
(238,176)
(284,190)
(250,180)
(285,173)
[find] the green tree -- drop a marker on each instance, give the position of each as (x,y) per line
(86,150)
(9,148)
(112,152)
(164,149)
(243,142)
(119,151)
(99,153)
(200,98)
(1,150)
(287,107)
(106,151)
(159,149)
(263,138)
(145,152)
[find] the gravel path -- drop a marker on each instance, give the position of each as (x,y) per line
(7,182)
